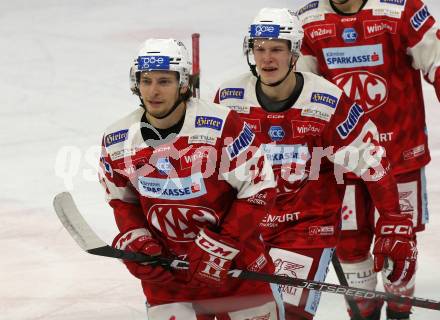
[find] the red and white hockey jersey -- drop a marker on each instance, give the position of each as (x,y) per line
(322,125)
(211,175)
(376,56)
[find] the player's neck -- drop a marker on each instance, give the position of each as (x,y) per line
(281,91)
(352,6)
(170,120)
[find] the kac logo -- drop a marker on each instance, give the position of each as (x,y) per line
(349,35)
(276,133)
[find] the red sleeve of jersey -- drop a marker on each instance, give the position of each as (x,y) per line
(355,140)
(416,21)
(245,167)
(120,194)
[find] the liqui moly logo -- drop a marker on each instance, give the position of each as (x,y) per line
(420,17)
(321,31)
(346,127)
(373,28)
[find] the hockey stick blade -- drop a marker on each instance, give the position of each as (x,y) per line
(90,242)
(84,236)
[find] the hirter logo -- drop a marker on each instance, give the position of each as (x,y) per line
(373,28)
(366,88)
(181,223)
(321,31)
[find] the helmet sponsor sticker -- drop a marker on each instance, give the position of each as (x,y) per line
(147,63)
(265,30)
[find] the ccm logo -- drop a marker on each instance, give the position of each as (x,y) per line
(391,229)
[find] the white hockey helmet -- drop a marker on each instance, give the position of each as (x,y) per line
(276,23)
(161,54)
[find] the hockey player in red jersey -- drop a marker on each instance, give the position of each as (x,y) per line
(374,50)
(307,125)
(187,179)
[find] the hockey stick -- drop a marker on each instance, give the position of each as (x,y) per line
(89,241)
(196,64)
(342,280)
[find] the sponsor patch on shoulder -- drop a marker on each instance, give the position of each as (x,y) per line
(397,2)
(324,98)
(116,137)
(231,93)
(308,7)
(209,122)
(419,18)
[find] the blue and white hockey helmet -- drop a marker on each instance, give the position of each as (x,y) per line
(275,23)
(161,55)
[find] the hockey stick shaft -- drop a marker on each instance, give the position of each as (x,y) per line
(90,242)
(196,64)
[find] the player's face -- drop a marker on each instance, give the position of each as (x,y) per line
(159,91)
(272,58)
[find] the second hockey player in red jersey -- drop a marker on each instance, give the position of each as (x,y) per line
(187,179)
(306,124)
(374,50)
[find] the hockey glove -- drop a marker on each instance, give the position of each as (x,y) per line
(394,240)
(210,258)
(141,240)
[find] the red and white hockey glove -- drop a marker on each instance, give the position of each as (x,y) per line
(210,257)
(395,241)
(141,240)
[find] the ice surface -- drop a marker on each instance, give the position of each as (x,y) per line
(64,78)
